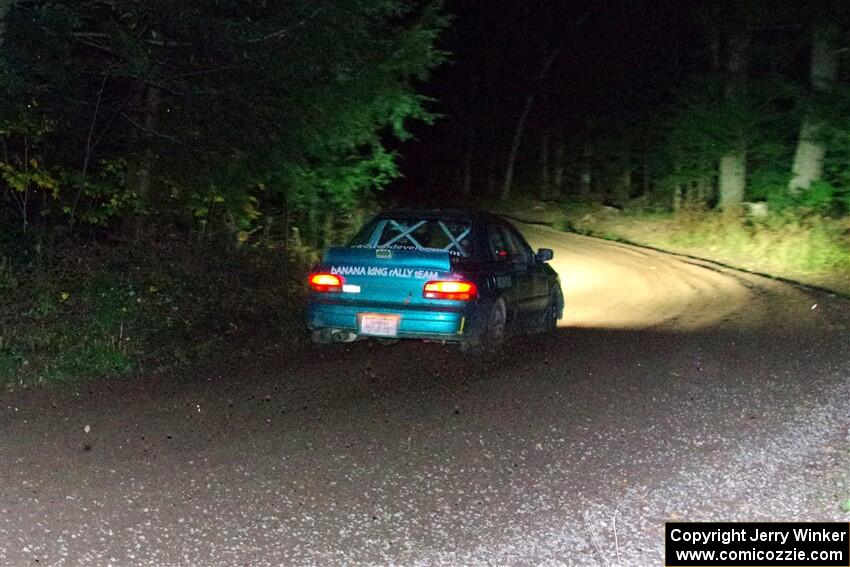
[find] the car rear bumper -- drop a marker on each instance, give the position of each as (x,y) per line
(431,323)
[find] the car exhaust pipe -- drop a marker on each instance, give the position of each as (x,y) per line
(344,337)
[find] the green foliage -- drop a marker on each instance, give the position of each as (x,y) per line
(23,176)
(274,107)
(59,335)
(778,243)
(56,323)
(74,311)
(822,198)
(837,139)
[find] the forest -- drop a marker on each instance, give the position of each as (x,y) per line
(681,104)
(714,130)
(168,170)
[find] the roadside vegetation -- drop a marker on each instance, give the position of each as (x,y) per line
(167,174)
(802,246)
(77,307)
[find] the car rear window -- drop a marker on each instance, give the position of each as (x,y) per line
(432,235)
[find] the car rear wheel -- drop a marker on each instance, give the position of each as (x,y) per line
(488,337)
(553,312)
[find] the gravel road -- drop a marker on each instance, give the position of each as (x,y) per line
(674,389)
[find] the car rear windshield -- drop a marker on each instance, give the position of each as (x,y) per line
(432,235)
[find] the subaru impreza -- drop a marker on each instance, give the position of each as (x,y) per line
(458,276)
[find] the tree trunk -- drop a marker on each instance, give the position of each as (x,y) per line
(523,118)
(677,197)
(469,138)
(586,175)
(808,159)
(287,234)
(733,165)
(140,171)
(645,184)
(558,181)
(623,188)
(467,167)
(143,175)
(702,190)
(5,8)
(327,236)
(545,188)
(509,169)
(733,179)
(492,162)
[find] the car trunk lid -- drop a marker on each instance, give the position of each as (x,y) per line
(386,276)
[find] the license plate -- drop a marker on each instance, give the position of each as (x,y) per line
(379,325)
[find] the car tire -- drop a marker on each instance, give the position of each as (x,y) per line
(488,337)
(554,311)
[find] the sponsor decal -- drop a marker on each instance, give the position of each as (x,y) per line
(385,272)
(378,251)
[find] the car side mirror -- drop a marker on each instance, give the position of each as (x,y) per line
(544,255)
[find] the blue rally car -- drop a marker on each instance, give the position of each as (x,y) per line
(445,275)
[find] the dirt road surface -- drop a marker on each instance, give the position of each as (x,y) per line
(674,389)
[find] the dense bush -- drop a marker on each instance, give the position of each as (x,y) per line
(80,308)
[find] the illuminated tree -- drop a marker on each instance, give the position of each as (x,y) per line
(811,149)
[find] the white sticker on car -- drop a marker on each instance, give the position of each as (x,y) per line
(385,272)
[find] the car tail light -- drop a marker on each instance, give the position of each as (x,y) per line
(325,283)
(458,291)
